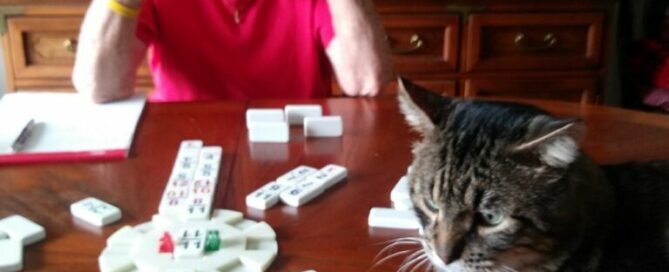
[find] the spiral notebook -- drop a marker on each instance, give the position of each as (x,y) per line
(47,127)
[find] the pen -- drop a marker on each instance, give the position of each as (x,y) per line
(23,137)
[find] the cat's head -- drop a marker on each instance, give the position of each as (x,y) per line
(487,182)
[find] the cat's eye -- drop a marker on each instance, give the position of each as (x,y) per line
(491,218)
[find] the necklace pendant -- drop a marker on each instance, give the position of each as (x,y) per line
(237,19)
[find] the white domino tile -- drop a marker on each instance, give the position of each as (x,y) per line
(209,163)
(269,132)
(190,243)
(190,191)
(177,189)
(198,207)
(266,196)
(329,175)
(295,114)
(20,228)
(400,197)
(325,126)
(186,160)
(263,115)
(403,205)
(11,255)
(302,193)
(3,235)
(95,211)
(296,175)
(400,191)
(391,218)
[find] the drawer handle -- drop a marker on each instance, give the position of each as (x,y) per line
(549,41)
(70,45)
(416,44)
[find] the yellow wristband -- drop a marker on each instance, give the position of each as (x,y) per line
(122,10)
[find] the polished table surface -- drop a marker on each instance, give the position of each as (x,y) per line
(327,234)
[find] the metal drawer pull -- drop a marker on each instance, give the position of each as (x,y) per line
(70,45)
(549,41)
(416,44)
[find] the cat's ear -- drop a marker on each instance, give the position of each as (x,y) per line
(554,141)
(422,108)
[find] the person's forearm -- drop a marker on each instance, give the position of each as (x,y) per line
(359,51)
(108,53)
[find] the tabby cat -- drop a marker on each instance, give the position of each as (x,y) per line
(503,187)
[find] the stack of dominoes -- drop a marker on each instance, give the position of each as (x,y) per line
(16,232)
(185,235)
(402,215)
(272,125)
(190,190)
(296,187)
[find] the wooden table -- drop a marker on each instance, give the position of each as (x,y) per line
(328,234)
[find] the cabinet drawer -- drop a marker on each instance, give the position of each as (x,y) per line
(43,49)
(583,90)
(534,41)
(425,43)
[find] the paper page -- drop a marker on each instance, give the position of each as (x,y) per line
(68,122)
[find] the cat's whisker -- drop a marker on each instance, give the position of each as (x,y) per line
(402,239)
(385,259)
(421,261)
(417,267)
(412,259)
(390,247)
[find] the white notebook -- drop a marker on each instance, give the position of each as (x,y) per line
(66,126)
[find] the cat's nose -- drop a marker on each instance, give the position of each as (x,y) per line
(451,253)
(447,259)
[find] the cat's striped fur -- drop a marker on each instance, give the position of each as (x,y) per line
(504,187)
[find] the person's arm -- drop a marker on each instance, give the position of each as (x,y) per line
(108,53)
(358,51)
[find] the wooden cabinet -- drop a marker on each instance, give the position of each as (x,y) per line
(545,49)
(549,49)
(40,44)
(423,43)
(531,42)
(43,48)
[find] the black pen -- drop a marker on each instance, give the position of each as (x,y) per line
(23,137)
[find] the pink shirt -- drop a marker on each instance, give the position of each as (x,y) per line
(198,52)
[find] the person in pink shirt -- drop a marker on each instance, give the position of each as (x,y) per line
(231,49)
